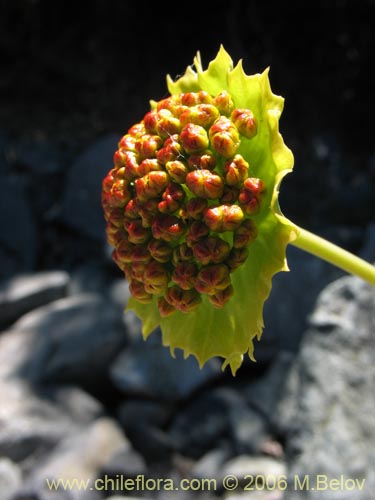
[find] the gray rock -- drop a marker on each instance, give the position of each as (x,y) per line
(75,339)
(10,478)
(214,418)
(147,368)
(82,199)
(20,294)
(17,229)
(327,411)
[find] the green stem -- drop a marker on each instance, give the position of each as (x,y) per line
(335,255)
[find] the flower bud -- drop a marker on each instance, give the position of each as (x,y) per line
(204,161)
(183,300)
(127,143)
(114,234)
(205,184)
(124,251)
(137,130)
(196,231)
(141,254)
(245,122)
(172,198)
(220,298)
(230,195)
(119,194)
(245,234)
(115,216)
(223,218)
(211,250)
(137,233)
(193,138)
(147,210)
(137,270)
(194,98)
(131,165)
(165,309)
(151,185)
(167,124)
(224,137)
(148,165)
(168,103)
(201,114)
(108,181)
(236,171)
(155,278)
(147,145)
(213,278)
(250,194)
(184,275)
(167,227)
(131,210)
(138,291)
(177,170)
(150,121)
(171,150)
(236,258)
(182,253)
(159,251)
(224,103)
(195,207)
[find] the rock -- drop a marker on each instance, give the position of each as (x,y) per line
(126,462)
(81,456)
(326,414)
(147,369)
(22,293)
(10,478)
(213,419)
(37,156)
(75,339)
(210,464)
(82,209)
(17,229)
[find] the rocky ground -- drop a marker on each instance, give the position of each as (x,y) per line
(82,396)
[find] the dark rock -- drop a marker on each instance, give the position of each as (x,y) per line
(75,340)
(146,368)
(327,410)
(217,416)
(25,292)
(126,462)
(17,229)
(82,209)
(36,155)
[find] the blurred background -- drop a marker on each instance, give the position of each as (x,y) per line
(81,395)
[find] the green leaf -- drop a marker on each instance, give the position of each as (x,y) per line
(229,332)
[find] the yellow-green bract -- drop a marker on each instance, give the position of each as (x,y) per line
(229,332)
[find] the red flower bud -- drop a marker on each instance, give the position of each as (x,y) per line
(124,251)
(147,210)
(151,185)
(220,298)
(224,103)
(194,98)
(119,194)
(201,114)
(172,198)
(171,150)
(205,184)
(196,231)
(138,291)
(127,143)
(223,218)
(193,138)
(230,195)
(137,233)
(167,124)
(150,121)
(155,278)
(213,278)
(182,253)
(245,122)
(147,145)
(168,103)
(177,170)
(108,181)
(131,210)
(245,234)
(195,207)
(183,300)
(165,309)
(131,165)
(204,161)
(250,194)
(236,258)
(159,251)
(141,254)
(137,130)
(148,165)
(236,171)
(184,275)
(224,137)
(211,250)
(167,227)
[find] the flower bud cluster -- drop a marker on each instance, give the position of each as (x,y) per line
(180,200)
